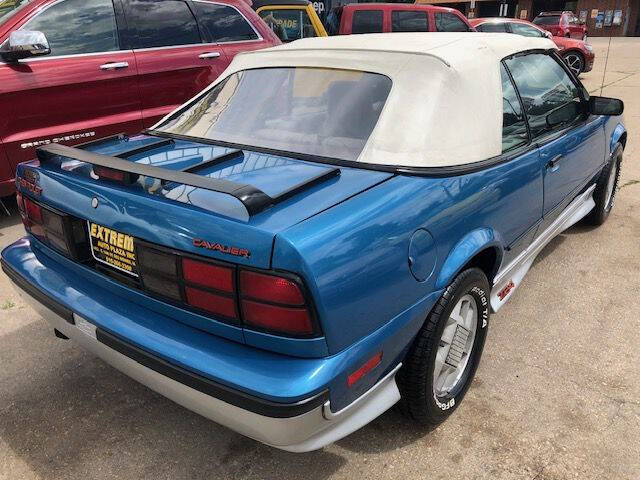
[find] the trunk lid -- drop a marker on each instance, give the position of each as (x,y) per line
(194,219)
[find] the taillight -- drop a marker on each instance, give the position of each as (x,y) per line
(64,233)
(274,303)
(270,288)
(112,174)
(262,301)
(207,275)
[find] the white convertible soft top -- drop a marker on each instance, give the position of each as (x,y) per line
(445,104)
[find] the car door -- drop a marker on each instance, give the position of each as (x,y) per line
(229,28)
(174,61)
(571,142)
(85,88)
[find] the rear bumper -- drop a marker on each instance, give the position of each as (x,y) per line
(302,426)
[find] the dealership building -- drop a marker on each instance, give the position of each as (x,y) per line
(604,18)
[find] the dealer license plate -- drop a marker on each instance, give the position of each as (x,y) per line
(113,248)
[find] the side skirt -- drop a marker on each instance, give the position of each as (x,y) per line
(510,277)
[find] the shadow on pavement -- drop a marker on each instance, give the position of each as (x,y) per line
(67,414)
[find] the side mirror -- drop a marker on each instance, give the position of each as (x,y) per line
(605,106)
(565,113)
(24,44)
(548,34)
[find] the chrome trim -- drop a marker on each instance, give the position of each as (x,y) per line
(209,55)
(309,431)
(57,57)
(518,268)
(114,65)
(168,47)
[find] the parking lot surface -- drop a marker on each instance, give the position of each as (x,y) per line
(557,394)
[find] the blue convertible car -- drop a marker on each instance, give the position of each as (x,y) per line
(322,232)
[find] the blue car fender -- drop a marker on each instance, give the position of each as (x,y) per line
(469,246)
(617,137)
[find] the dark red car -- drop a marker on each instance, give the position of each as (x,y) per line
(578,55)
(562,24)
(108,66)
(394,17)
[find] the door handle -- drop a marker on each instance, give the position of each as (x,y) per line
(209,55)
(114,65)
(553,163)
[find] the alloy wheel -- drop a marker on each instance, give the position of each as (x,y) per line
(455,346)
(574,62)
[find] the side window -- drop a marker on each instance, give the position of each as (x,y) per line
(546,90)
(514,127)
(65,26)
(409,21)
(160,23)
(367,21)
(448,22)
(224,23)
(525,30)
(289,24)
(498,27)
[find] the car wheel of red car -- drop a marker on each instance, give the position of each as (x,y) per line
(575,62)
(444,357)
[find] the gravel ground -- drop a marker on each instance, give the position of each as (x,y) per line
(556,396)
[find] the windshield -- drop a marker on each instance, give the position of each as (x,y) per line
(311,111)
(547,20)
(9,7)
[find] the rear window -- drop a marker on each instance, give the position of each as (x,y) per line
(547,20)
(311,111)
(409,21)
(367,21)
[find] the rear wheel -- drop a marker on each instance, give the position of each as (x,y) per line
(575,62)
(441,363)
(606,188)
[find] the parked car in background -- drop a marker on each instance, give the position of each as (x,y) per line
(578,55)
(138,60)
(290,19)
(291,262)
(562,24)
(394,17)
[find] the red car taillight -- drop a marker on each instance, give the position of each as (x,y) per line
(262,301)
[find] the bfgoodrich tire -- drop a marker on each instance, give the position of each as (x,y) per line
(443,359)
(606,188)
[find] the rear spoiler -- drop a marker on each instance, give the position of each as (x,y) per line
(253,199)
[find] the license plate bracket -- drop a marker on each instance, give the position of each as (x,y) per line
(113,248)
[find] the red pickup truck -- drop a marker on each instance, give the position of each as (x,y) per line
(394,17)
(76,70)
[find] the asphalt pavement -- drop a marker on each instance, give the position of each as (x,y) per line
(557,394)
